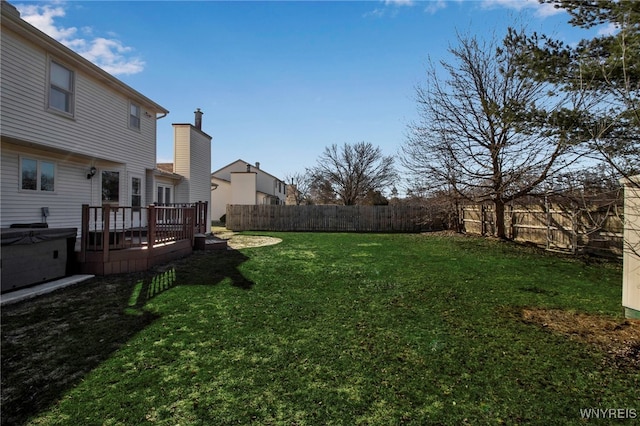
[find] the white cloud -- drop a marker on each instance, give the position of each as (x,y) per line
(541,10)
(399,2)
(389,8)
(434,6)
(609,29)
(107,53)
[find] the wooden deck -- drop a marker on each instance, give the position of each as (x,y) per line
(117,239)
(134,259)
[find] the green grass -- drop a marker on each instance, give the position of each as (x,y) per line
(321,329)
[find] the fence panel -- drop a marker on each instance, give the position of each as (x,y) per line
(327,218)
(553,226)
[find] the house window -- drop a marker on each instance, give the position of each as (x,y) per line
(110,186)
(136,192)
(61,88)
(134,116)
(37,175)
(164,195)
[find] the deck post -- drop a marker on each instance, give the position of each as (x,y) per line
(106,226)
(84,233)
(151,220)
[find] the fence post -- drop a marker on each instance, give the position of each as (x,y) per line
(574,232)
(511,225)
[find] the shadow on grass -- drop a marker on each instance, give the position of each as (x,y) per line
(210,268)
(50,343)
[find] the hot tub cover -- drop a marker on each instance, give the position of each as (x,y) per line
(11,236)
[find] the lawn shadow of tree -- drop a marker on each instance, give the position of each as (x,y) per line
(51,342)
(213,267)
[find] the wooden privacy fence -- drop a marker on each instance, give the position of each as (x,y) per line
(553,226)
(328,218)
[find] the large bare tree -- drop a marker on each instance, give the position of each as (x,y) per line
(470,139)
(350,172)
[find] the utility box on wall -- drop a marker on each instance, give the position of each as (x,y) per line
(631,257)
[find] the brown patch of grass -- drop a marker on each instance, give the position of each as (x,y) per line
(236,241)
(618,339)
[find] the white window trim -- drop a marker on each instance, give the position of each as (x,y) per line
(48,106)
(38,161)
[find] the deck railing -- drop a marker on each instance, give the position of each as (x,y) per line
(201,225)
(110,227)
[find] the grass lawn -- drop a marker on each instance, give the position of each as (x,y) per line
(324,329)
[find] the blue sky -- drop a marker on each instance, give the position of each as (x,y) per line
(279,81)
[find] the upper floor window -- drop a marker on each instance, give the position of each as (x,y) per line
(37,175)
(61,84)
(134,116)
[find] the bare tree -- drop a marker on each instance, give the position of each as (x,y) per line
(470,139)
(299,187)
(351,171)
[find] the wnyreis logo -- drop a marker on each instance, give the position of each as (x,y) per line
(608,413)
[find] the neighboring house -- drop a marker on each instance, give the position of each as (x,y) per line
(72,134)
(243,183)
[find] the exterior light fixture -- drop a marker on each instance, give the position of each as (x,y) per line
(92,172)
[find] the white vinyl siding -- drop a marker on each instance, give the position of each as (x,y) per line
(72,189)
(101,115)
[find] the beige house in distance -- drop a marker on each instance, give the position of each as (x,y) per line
(243,183)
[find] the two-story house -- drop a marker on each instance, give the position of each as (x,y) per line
(244,183)
(72,134)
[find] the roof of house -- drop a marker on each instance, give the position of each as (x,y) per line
(253,167)
(11,20)
(167,167)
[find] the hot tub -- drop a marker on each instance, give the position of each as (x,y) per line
(35,255)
